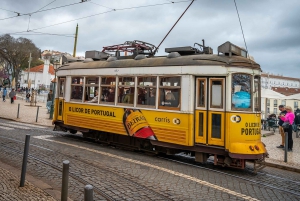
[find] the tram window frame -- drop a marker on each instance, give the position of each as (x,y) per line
(108,84)
(250,90)
(201,92)
(91,88)
(164,85)
(61,87)
(257,93)
(147,86)
(221,106)
(75,86)
(126,83)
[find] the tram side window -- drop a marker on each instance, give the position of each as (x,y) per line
(107,90)
(146,92)
(169,93)
(61,87)
(126,86)
(241,91)
(77,89)
(91,89)
(257,94)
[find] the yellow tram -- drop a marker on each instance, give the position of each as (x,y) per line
(190,100)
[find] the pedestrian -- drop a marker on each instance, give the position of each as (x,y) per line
(4,94)
(280,122)
(12,94)
(289,117)
(49,100)
(27,97)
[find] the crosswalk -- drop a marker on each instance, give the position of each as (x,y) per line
(11,125)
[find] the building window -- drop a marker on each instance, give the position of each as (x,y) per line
(268,110)
(275,110)
(268,102)
(275,103)
(296,104)
(283,102)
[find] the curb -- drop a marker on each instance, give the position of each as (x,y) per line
(283,167)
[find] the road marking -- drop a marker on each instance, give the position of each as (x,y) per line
(30,125)
(7,128)
(14,126)
(20,125)
(246,197)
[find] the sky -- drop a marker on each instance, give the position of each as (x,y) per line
(271,27)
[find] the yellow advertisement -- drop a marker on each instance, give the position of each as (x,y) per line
(155,125)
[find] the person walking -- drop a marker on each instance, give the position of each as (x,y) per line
(49,100)
(4,94)
(27,97)
(12,94)
(289,117)
(280,122)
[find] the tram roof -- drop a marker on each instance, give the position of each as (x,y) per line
(190,60)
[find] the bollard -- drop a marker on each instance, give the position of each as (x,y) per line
(18,110)
(37,113)
(286,145)
(88,193)
(65,181)
(25,156)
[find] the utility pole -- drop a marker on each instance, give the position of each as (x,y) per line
(75,43)
(28,70)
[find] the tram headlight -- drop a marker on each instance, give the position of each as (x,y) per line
(251,148)
(256,147)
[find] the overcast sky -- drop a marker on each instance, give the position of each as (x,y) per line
(271,28)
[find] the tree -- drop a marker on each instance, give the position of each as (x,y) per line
(15,52)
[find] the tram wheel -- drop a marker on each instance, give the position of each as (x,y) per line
(73,131)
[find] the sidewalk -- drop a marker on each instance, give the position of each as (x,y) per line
(276,155)
(28,115)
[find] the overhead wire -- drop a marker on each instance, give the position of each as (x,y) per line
(38,11)
(120,9)
(101,5)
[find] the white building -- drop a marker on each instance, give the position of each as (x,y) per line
(40,76)
(277,81)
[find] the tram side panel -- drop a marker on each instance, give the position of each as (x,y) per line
(166,126)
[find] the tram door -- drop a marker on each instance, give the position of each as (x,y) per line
(61,95)
(210,111)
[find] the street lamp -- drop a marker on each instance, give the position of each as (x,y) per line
(53,86)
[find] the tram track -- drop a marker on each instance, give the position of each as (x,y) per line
(262,178)
(139,186)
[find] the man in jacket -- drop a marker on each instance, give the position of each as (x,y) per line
(280,122)
(12,94)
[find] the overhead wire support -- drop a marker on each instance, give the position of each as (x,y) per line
(173,27)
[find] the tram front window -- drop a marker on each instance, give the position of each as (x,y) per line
(241,91)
